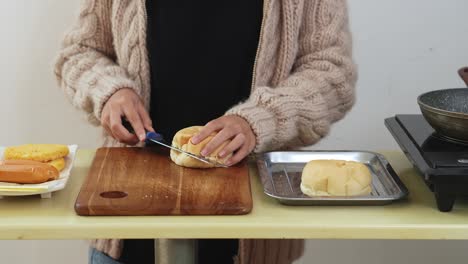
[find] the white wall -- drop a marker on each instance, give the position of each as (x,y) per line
(403,48)
(32,106)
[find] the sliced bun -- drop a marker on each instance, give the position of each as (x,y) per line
(336,178)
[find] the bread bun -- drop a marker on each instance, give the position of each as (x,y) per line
(182,140)
(59,164)
(336,178)
(36,152)
(26,171)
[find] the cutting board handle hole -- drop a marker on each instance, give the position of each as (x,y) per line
(113,194)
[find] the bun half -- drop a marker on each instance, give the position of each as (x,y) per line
(336,178)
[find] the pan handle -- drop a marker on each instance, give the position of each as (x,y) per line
(463,72)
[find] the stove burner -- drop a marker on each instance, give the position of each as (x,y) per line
(441,161)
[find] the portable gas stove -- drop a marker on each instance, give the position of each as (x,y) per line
(442,162)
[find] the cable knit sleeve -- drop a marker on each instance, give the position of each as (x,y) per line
(86,67)
(319,90)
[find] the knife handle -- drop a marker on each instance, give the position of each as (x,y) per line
(154,136)
(149,135)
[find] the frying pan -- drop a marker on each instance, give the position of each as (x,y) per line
(447,110)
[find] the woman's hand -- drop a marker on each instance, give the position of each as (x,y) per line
(126,103)
(232,128)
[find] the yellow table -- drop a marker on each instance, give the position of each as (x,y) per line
(416,218)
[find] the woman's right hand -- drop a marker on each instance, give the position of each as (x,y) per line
(125,103)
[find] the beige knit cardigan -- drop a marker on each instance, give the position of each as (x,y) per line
(304,77)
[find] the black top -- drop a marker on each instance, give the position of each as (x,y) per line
(201,57)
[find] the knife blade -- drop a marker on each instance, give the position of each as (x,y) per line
(158,139)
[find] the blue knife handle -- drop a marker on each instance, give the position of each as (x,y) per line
(149,135)
(154,136)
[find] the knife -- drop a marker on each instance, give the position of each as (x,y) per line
(158,139)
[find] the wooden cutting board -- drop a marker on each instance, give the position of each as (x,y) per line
(144,181)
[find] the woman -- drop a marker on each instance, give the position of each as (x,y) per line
(268,75)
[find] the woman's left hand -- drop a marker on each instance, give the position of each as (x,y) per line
(230,127)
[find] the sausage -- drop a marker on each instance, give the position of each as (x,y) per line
(26,171)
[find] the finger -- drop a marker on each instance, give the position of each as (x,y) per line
(108,130)
(252,144)
(132,142)
(105,123)
(207,130)
(134,118)
(238,156)
(147,123)
(119,131)
(234,145)
(216,141)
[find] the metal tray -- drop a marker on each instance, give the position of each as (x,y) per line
(281,171)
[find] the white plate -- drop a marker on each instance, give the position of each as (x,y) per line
(44,189)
